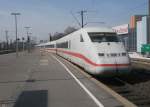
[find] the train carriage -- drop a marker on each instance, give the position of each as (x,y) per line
(97,50)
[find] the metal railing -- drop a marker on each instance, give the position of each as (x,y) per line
(6,51)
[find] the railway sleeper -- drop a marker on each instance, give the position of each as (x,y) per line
(142,103)
(138,98)
(123,91)
(133,94)
(120,88)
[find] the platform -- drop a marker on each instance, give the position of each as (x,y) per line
(41,80)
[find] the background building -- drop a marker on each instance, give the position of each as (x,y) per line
(142,33)
(123,33)
(133,32)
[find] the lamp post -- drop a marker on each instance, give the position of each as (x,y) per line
(7,42)
(15,15)
(30,42)
(28,38)
(23,44)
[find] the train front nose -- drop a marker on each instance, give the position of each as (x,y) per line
(113,59)
(114,66)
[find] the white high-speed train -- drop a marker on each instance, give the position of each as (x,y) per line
(97,50)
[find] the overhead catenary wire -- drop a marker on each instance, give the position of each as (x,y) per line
(120,15)
(81,24)
(129,11)
(75,18)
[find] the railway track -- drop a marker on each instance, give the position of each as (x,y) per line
(135,87)
(141,63)
(140,60)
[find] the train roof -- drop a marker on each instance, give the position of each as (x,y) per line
(98,29)
(86,29)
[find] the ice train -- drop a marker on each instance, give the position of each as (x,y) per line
(97,50)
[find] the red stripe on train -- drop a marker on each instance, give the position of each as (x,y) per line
(78,55)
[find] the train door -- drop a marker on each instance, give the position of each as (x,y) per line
(81,48)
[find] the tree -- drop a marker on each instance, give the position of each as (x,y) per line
(57,35)
(69,30)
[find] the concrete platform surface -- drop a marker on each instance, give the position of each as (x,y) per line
(41,80)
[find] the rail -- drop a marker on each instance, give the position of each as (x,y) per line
(140,63)
(140,60)
(133,87)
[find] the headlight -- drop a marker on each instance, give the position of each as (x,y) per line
(101,54)
(124,54)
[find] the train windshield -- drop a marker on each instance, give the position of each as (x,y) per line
(103,37)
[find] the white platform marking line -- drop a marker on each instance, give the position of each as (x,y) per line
(99,104)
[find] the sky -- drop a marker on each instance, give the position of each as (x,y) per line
(50,16)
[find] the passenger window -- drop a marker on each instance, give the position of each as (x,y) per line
(81,38)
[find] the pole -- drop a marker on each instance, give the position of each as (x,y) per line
(29,42)
(16,36)
(28,39)
(7,38)
(23,43)
(15,14)
(82,18)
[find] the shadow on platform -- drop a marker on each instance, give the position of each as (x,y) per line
(38,98)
